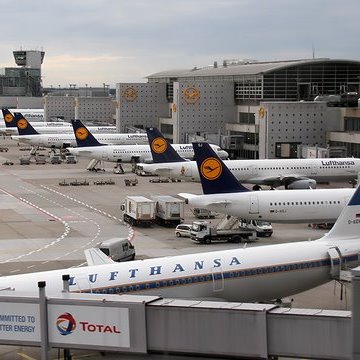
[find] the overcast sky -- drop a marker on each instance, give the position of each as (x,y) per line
(108,41)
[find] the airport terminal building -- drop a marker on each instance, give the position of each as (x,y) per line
(252,109)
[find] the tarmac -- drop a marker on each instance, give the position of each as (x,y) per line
(47,225)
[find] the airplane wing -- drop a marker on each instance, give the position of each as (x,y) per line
(187,195)
(214,203)
(219,203)
(277,180)
(95,256)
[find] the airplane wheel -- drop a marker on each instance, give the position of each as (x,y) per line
(207,240)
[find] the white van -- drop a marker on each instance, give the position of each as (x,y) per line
(183,230)
(118,249)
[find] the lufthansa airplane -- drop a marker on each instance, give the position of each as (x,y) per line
(49,127)
(59,140)
(224,194)
(88,146)
(10,127)
(291,173)
(257,273)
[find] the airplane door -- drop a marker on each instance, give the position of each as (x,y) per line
(217,279)
(335,262)
(253,170)
(254,204)
(314,169)
(103,154)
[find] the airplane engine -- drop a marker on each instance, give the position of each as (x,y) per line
(302,184)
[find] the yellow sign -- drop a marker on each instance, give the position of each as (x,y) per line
(8,118)
(174,107)
(130,94)
(81,133)
(191,95)
(22,124)
(159,145)
(261,112)
(211,168)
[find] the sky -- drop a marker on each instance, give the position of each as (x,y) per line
(98,42)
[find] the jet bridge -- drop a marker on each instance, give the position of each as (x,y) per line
(338,269)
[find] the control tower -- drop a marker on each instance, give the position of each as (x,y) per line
(25,79)
(29,58)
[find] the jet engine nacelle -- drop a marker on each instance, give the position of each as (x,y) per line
(302,184)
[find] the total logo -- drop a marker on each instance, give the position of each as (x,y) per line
(66,324)
(159,145)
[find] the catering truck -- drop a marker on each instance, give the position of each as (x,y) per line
(169,210)
(138,210)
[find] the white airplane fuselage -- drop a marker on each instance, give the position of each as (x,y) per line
(280,206)
(272,172)
(62,140)
(114,153)
(251,274)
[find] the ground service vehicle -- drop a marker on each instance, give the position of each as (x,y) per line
(262,228)
(168,210)
(203,232)
(118,249)
(183,230)
(139,210)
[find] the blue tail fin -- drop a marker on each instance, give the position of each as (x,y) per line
(24,127)
(83,136)
(347,225)
(161,149)
(8,118)
(214,175)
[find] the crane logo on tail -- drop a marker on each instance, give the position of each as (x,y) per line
(22,123)
(8,118)
(81,133)
(159,145)
(211,168)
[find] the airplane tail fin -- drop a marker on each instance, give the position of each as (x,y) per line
(8,118)
(83,136)
(347,225)
(161,149)
(214,175)
(95,256)
(24,127)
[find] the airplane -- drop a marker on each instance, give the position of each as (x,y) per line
(88,146)
(290,173)
(224,194)
(259,273)
(30,114)
(10,128)
(49,127)
(30,136)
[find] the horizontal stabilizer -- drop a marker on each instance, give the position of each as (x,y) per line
(95,256)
